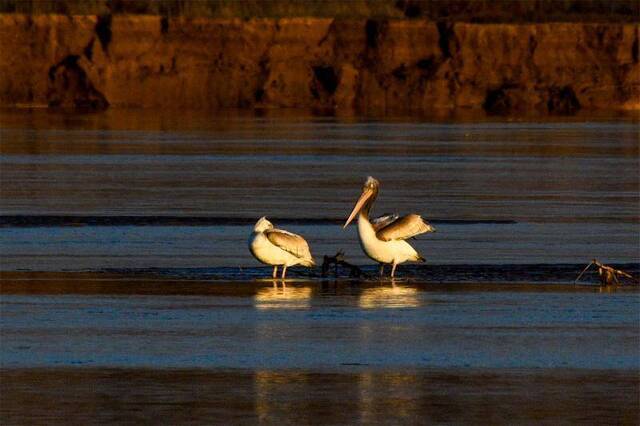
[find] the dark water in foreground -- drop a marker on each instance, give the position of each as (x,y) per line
(128,293)
(408,396)
(87,348)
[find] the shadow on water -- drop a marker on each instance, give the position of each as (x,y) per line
(94,396)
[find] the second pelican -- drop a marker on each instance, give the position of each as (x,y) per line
(383,238)
(278,247)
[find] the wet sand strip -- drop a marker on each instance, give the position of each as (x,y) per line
(230,283)
(110,283)
(96,396)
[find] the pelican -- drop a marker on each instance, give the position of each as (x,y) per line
(383,238)
(278,247)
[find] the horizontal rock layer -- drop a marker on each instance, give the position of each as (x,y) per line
(350,65)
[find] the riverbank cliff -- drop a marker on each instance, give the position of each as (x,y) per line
(326,64)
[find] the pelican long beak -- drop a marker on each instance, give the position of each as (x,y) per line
(366,194)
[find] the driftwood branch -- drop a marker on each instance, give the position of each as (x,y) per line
(607,274)
(337,261)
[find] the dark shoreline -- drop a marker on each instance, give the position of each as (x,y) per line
(246,281)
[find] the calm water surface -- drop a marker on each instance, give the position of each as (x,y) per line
(498,193)
(128,293)
(381,325)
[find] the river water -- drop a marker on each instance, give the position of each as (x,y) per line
(183,192)
(123,239)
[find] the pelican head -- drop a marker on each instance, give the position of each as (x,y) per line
(262,225)
(369,194)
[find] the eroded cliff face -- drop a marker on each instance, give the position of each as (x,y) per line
(350,65)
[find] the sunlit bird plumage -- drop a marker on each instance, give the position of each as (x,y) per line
(277,247)
(383,238)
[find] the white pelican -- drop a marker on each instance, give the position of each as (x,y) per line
(277,247)
(383,238)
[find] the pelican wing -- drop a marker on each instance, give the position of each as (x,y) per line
(289,242)
(382,221)
(404,228)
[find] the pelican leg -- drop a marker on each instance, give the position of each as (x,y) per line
(284,271)
(381,269)
(275,271)
(393,269)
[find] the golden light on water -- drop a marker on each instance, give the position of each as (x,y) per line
(282,297)
(389,297)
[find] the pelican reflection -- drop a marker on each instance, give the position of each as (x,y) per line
(389,297)
(282,297)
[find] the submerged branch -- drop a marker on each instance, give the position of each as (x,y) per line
(337,261)
(607,274)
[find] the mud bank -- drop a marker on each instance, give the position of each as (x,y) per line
(324,64)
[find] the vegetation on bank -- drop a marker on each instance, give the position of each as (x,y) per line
(503,11)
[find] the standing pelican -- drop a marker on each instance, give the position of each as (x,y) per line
(383,239)
(277,247)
